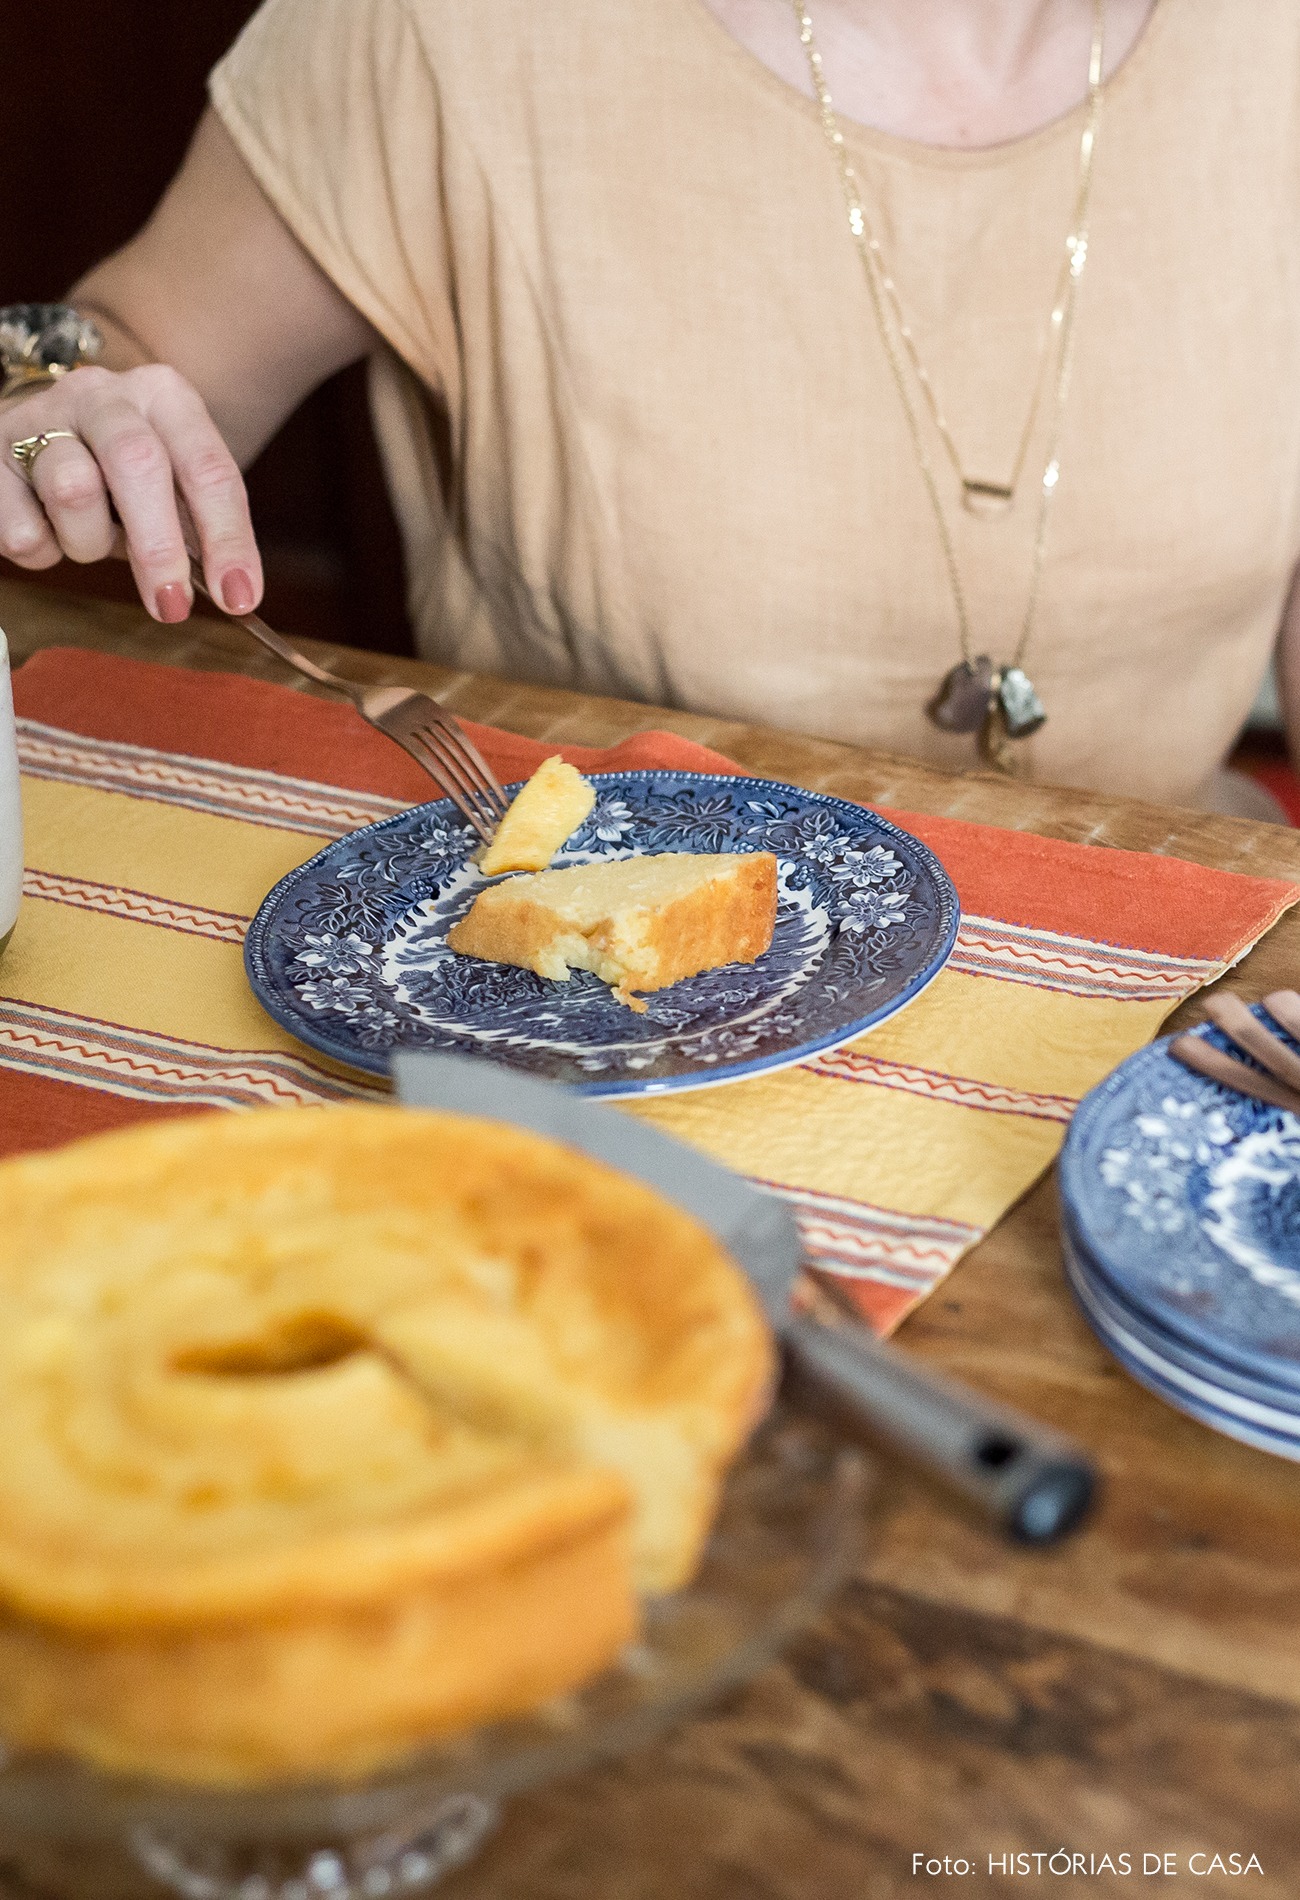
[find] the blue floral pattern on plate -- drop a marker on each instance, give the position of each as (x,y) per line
(1184,1199)
(1261,1412)
(349,952)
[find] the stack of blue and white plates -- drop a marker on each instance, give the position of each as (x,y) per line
(1181,1224)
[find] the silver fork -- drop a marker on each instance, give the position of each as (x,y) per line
(1280,1086)
(413,720)
(437,742)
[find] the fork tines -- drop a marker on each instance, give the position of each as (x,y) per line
(469,780)
(440,744)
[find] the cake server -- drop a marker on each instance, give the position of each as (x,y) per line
(1031,1481)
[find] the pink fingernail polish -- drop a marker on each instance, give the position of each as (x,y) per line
(173,602)
(237,591)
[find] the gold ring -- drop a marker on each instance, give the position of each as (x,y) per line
(26,451)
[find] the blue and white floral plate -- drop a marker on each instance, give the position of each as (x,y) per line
(349,952)
(1181,1211)
(1243,1408)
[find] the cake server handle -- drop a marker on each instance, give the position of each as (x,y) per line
(1035,1483)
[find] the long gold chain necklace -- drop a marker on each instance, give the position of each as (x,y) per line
(998,701)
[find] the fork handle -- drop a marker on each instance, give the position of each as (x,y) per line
(1195,1053)
(254,624)
(1232,1016)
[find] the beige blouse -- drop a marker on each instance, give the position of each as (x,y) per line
(640,426)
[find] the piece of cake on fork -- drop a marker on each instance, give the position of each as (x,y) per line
(546,812)
(639,923)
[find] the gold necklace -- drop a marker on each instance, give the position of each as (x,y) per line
(998,701)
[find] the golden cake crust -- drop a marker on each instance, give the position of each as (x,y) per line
(321,1692)
(377,1409)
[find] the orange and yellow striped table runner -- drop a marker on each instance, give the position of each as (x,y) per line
(161,806)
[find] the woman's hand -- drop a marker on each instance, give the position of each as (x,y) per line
(143,437)
(218,286)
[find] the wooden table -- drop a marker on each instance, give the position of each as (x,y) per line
(1137,1691)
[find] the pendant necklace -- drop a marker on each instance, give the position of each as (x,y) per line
(995,699)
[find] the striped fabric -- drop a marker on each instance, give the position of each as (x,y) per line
(162,805)
(173,778)
(1049,960)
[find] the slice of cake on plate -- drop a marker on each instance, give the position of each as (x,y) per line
(640,923)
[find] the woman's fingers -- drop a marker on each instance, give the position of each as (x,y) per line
(26,537)
(138,474)
(144,441)
(213,489)
(67,481)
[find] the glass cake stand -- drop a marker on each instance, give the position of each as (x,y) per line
(786,1535)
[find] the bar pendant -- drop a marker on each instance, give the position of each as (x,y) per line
(987,499)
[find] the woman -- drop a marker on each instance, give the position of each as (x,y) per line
(729,353)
